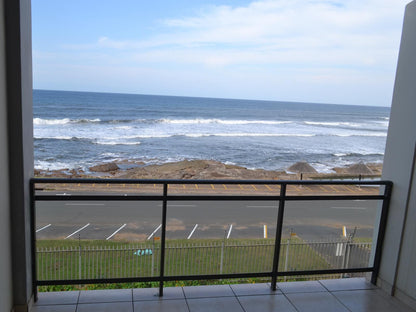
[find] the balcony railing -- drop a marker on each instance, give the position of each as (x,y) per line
(165,262)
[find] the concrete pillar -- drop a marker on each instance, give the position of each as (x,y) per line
(18,54)
(398,264)
(6,293)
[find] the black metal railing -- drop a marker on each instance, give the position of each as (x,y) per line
(280,197)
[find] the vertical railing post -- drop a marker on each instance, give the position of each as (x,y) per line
(381,232)
(162,247)
(278,238)
(33,240)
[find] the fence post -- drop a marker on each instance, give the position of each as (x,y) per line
(79,257)
(287,254)
(222,256)
(153,257)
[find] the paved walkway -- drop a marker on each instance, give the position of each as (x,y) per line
(211,189)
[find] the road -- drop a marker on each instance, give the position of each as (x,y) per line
(138,220)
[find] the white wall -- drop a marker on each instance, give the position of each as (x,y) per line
(398,264)
(6,296)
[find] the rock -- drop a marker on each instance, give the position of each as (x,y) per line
(104,167)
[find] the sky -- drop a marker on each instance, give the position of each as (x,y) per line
(319,51)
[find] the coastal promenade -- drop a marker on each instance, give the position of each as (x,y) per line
(211,189)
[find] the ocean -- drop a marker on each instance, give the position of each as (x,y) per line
(82,129)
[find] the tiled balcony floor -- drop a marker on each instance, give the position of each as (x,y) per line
(353,294)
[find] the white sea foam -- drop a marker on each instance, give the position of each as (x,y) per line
(53,165)
(116,143)
(358,154)
(198,135)
(334,124)
(64,121)
(40,121)
(123,128)
(54,137)
(223,121)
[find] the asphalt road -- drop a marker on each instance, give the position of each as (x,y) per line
(134,220)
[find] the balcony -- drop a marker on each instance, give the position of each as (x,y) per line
(272,257)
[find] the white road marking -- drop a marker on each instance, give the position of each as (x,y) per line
(78,230)
(118,230)
(84,204)
(264,231)
(153,233)
(353,208)
(170,205)
(193,230)
(261,206)
(64,194)
(229,231)
(46,226)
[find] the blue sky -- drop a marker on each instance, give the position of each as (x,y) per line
(323,51)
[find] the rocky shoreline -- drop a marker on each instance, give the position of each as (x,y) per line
(207,170)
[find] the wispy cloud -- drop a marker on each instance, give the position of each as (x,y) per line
(351,38)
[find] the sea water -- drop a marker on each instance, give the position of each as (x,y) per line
(81,129)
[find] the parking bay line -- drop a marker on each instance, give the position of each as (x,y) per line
(178,205)
(46,226)
(83,204)
(229,231)
(77,230)
(153,233)
(118,230)
(353,208)
(193,230)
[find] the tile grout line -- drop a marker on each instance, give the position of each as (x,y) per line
(235,295)
(76,307)
(336,298)
(186,299)
(290,301)
(132,300)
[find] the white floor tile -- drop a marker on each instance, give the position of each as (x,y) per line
(54,308)
(316,302)
(107,295)
(370,300)
(153,294)
(266,303)
(106,307)
(208,291)
(301,287)
(162,305)
(226,304)
(347,284)
(253,289)
(58,297)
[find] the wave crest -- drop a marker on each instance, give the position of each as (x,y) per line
(64,121)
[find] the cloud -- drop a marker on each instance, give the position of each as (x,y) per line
(325,41)
(281,31)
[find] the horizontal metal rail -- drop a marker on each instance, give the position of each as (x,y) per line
(280,197)
(230,182)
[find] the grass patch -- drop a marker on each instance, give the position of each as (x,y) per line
(94,259)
